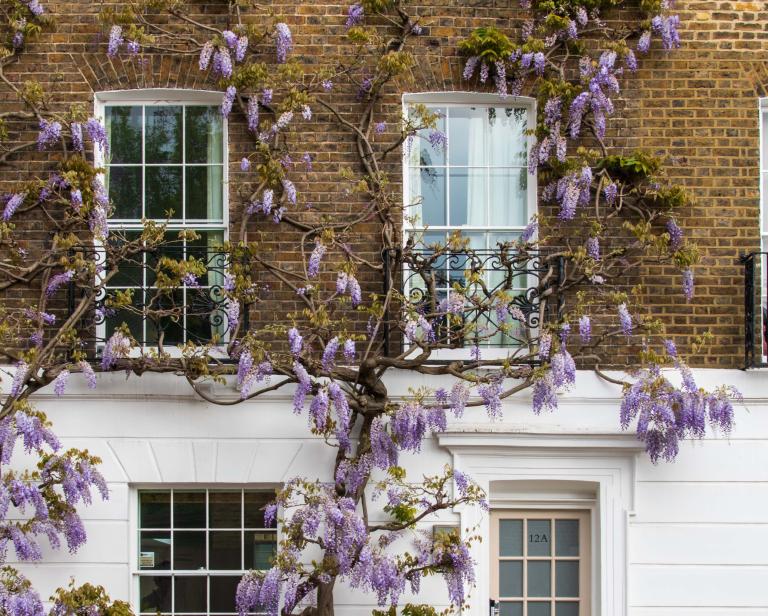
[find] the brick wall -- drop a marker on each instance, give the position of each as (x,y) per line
(697,105)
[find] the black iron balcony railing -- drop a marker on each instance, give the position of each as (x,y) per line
(194,311)
(755,309)
(527,281)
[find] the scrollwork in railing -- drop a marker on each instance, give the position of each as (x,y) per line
(163,306)
(496,298)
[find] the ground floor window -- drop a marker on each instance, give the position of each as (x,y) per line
(194,546)
(540,563)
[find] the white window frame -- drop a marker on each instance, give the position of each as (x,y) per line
(134,545)
(164,97)
(762,264)
(464,99)
(589,471)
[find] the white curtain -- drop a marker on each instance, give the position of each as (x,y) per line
(476,181)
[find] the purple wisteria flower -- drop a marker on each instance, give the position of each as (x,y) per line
(76,129)
(205,56)
(228,101)
(470,67)
(625,319)
(329,354)
(76,199)
(252,113)
(610,192)
(230,38)
(530,231)
(115,41)
(117,347)
(35,7)
(222,63)
(284,41)
(355,16)
(60,382)
(50,133)
(675,234)
(313,269)
(241,48)
(289,190)
(12,203)
(327,85)
(379,127)
(295,341)
(88,373)
(593,248)
(19,375)
(245,164)
(545,345)
(349,349)
(98,133)
(644,42)
(484,72)
(58,280)
(544,394)
(666,27)
(500,77)
(585,328)
(688,286)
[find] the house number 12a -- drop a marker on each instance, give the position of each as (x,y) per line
(538,538)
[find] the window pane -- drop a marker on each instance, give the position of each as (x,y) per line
(223,591)
(155,550)
(567,538)
(539,537)
(131,317)
(422,152)
(563,608)
(189,509)
(155,509)
(427,193)
(203,193)
(190,594)
(189,550)
(539,578)
(567,578)
(468,197)
(169,323)
(539,608)
(163,192)
(163,134)
(155,593)
(203,140)
(254,505)
(123,126)
(224,509)
(225,550)
(510,608)
(510,537)
(511,578)
(124,186)
(508,198)
(467,139)
(130,272)
(259,549)
(508,142)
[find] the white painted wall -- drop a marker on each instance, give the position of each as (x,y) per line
(694,537)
